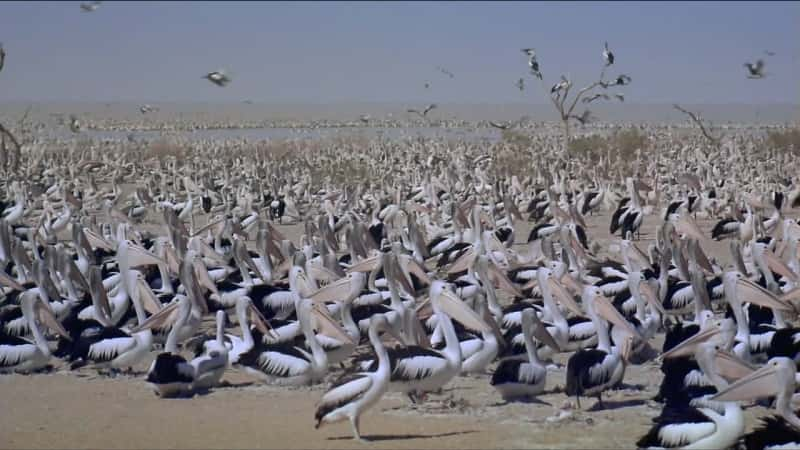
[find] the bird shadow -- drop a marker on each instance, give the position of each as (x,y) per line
(397,437)
(612,405)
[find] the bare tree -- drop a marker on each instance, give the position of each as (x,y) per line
(565,105)
(714,140)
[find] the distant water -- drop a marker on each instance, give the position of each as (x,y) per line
(279,134)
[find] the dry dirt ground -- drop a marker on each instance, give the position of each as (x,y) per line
(84,410)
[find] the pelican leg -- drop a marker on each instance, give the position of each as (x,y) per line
(356,434)
(600,400)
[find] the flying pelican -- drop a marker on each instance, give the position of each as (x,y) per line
(608,57)
(756,70)
(583,118)
(2,56)
(445,71)
(91,6)
(218,77)
(425,111)
(520,84)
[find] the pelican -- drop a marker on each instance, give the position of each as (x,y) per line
(218,77)
(590,372)
(755,71)
(777,378)
(514,377)
(353,393)
(419,370)
(21,355)
(608,57)
(169,374)
(284,364)
(211,364)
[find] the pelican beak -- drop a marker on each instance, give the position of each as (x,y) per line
(159,319)
(203,278)
(137,257)
(607,311)
(366,265)
(731,366)
(532,283)
(570,283)
(411,266)
(688,227)
(564,297)
(6,280)
(49,319)
(542,335)
(502,281)
(763,382)
(337,290)
(261,322)
(425,309)
(464,261)
(626,347)
(776,265)
(97,241)
(454,307)
(99,292)
(328,326)
(651,298)
(147,297)
(688,346)
(760,296)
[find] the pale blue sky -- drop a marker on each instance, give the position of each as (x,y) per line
(385,52)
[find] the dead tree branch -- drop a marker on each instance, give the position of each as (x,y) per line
(715,140)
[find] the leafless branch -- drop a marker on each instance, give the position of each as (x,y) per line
(13,162)
(697,120)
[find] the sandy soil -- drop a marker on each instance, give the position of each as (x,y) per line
(84,410)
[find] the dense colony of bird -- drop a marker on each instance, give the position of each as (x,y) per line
(420,261)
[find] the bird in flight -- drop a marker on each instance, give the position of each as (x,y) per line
(756,70)
(425,111)
(364,118)
(608,57)
(533,63)
(506,126)
(622,80)
(619,97)
(2,56)
(769,53)
(218,77)
(445,71)
(520,84)
(91,6)
(427,85)
(144,109)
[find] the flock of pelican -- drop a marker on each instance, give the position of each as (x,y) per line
(419,262)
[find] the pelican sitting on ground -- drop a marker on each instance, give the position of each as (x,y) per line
(210,366)
(418,370)
(353,393)
(514,377)
(21,355)
(777,378)
(169,374)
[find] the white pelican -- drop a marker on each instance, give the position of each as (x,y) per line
(285,364)
(516,378)
(169,374)
(210,366)
(777,378)
(21,355)
(353,393)
(590,372)
(418,370)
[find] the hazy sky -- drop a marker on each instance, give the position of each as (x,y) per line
(385,52)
